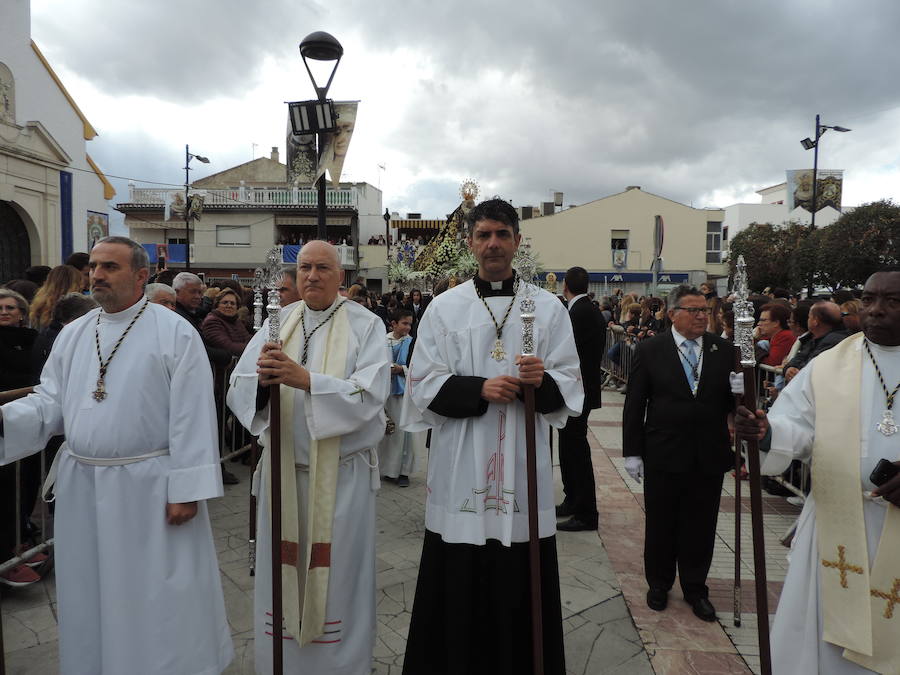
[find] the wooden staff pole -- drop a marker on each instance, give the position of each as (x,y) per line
(527,267)
(273,309)
(759,550)
(743,337)
(738,465)
(534,542)
(275,487)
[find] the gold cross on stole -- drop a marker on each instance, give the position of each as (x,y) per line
(843,566)
(893,598)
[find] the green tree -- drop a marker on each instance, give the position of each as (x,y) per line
(776,255)
(857,244)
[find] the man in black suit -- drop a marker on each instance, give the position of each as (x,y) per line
(580,503)
(675,429)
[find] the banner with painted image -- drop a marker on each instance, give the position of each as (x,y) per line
(336,144)
(97,227)
(829,187)
(301,157)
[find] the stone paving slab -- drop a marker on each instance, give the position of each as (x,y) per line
(600,635)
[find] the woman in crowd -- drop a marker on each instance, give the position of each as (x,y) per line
(16,372)
(773,326)
(61,281)
(221,328)
(714,316)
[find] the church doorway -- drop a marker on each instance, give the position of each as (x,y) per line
(15,247)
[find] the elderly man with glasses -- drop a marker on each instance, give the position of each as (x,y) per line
(675,429)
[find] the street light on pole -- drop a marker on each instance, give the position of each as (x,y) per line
(187,212)
(318,116)
(814,145)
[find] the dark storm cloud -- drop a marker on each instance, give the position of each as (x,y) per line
(583,96)
(185,51)
(680,98)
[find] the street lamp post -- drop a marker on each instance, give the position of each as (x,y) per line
(807,144)
(321,46)
(187,212)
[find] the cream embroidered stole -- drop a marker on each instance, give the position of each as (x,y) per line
(858,605)
(306,556)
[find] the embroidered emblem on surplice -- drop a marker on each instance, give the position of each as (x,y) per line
(493,496)
(843,566)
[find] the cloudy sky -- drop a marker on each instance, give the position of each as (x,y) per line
(703,102)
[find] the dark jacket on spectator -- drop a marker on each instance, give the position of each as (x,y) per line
(811,347)
(228,333)
(217,355)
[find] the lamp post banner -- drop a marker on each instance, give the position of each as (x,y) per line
(301,157)
(337,143)
(800,189)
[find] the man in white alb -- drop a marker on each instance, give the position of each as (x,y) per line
(839,611)
(130,386)
(471,612)
(334,372)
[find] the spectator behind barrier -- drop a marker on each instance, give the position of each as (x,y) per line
(826,329)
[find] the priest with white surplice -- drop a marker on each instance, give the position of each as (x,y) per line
(839,611)
(137,581)
(472,611)
(334,374)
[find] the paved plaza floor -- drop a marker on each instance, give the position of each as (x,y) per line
(608,627)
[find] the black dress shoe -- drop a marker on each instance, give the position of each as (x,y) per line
(229,478)
(576,524)
(564,511)
(703,609)
(657,599)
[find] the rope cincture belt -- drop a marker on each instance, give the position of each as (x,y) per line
(47,491)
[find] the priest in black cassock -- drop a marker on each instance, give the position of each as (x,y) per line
(471,612)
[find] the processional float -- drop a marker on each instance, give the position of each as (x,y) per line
(526,268)
(746,360)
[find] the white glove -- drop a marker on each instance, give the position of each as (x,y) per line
(737,383)
(635,467)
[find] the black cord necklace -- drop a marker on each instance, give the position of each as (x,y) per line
(100,392)
(498,353)
(308,336)
(887,425)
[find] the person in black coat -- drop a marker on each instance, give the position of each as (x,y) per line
(580,502)
(675,433)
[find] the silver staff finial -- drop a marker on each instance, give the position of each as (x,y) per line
(526,269)
(743,315)
(258,285)
(273,279)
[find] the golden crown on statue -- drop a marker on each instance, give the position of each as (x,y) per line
(468,190)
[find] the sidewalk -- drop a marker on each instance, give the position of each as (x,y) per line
(608,627)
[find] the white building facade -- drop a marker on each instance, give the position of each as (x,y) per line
(53,197)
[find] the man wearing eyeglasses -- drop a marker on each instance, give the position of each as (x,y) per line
(675,430)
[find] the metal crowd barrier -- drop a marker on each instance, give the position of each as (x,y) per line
(234,440)
(618,354)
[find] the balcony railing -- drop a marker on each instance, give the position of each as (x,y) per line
(250,197)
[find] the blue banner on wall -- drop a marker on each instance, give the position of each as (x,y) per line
(65,214)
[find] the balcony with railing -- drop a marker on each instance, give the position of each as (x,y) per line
(246,197)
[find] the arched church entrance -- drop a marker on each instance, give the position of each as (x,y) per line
(15,247)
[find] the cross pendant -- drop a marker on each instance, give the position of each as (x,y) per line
(100,392)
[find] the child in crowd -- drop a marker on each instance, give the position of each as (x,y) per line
(396,452)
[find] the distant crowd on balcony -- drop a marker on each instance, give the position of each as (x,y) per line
(292,239)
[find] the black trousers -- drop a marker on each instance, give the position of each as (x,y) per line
(577,470)
(681,514)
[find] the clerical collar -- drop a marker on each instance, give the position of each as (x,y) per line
(488,289)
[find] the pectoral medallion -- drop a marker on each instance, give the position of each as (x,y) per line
(498,354)
(887,426)
(100,392)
